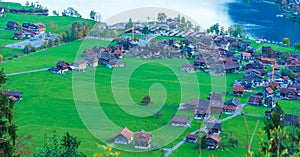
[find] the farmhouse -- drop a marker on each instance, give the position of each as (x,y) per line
(11,25)
(62,65)
(187,67)
(200,62)
(192,138)
(31,30)
(123,137)
(215,129)
(116,63)
(80,65)
(238,90)
(14,95)
(290,119)
(18,35)
(1,12)
(231,105)
(92,61)
(142,140)
(255,100)
(212,141)
(178,120)
(202,110)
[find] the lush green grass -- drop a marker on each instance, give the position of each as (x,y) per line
(169,38)
(48,58)
(13,5)
(274,47)
(235,127)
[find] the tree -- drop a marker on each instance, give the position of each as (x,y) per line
(114,33)
(183,24)
(51,43)
(106,151)
(27,3)
(145,30)
(65,146)
(1,58)
(233,141)
(57,41)
(189,25)
(70,145)
(286,41)
(46,44)
(284,55)
(93,15)
(289,73)
(8,128)
(55,13)
(26,49)
(297,45)
(129,24)
(197,29)
(161,17)
(52,26)
(146,100)
(275,120)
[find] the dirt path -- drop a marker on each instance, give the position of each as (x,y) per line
(26,72)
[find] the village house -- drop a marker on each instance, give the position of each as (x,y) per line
(115,63)
(79,65)
(11,25)
(92,61)
(187,67)
(269,112)
(202,110)
(290,119)
(14,95)
(123,137)
(178,120)
(269,91)
(18,35)
(231,67)
(34,29)
(189,105)
(238,90)
(105,58)
(215,129)
(255,100)
(246,56)
(2,12)
(231,106)
(212,141)
(216,103)
(270,101)
(287,92)
(269,61)
(191,138)
(62,65)
(142,140)
(200,62)
(254,66)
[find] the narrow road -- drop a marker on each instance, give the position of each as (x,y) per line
(26,72)
(170,150)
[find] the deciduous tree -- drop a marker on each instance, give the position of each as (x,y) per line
(286,41)
(161,17)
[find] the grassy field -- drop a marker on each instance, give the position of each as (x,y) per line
(48,98)
(234,127)
(274,47)
(63,23)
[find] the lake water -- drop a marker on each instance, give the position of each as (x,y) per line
(259,21)
(258,18)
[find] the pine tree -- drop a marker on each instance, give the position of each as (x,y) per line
(8,129)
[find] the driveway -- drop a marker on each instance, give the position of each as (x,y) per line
(37,42)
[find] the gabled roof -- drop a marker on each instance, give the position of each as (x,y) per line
(246,54)
(214,137)
(194,136)
(180,119)
(12,93)
(143,136)
(238,88)
(217,126)
(269,90)
(255,99)
(233,101)
(125,133)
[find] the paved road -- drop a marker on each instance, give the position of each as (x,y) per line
(26,72)
(38,42)
(170,150)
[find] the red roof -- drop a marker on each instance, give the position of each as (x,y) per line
(273,84)
(268,59)
(214,137)
(143,136)
(294,62)
(238,88)
(119,52)
(246,54)
(191,136)
(230,107)
(269,90)
(126,133)
(276,67)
